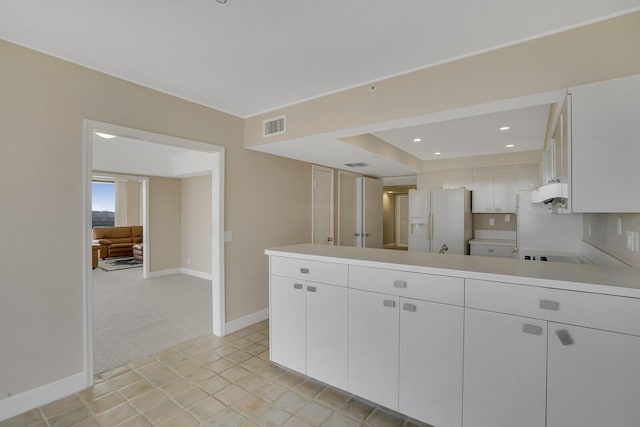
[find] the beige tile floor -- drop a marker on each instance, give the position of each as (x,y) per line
(210,381)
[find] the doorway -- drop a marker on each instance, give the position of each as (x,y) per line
(214,160)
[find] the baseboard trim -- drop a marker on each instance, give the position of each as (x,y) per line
(28,400)
(245,321)
(196,273)
(167,272)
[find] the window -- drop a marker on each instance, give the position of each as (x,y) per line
(103,202)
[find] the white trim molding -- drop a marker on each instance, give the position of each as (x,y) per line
(248,320)
(196,273)
(22,402)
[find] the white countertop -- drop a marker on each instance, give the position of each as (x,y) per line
(621,281)
(503,242)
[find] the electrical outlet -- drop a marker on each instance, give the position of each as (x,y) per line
(492,222)
(507,218)
(228,236)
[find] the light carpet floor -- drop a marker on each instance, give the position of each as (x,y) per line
(135,317)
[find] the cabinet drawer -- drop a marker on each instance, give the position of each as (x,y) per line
(317,271)
(443,289)
(608,312)
(492,250)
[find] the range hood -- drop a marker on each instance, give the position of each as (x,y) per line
(549,193)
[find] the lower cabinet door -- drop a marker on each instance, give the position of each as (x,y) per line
(594,378)
(287,322)
(373,347)
(431,340)
(327,320)
(505,360)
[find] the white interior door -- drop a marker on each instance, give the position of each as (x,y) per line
(347,209)
(402,220)
(322,205)
(372,190)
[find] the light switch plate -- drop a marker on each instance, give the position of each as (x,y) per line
(228,236)
(492,222)
(507,218)
(630,240)
(636,241)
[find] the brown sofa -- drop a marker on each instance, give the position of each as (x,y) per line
(117,241)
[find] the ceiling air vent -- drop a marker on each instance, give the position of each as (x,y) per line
(274,126)
(356,165)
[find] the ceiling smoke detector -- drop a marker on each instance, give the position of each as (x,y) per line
(356,164)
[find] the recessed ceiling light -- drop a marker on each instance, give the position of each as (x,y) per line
(505,128)
(417,139)
(104,135)
(437,153)
(509,145)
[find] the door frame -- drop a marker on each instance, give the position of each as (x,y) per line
(217,224)
(396,222)
(314,168)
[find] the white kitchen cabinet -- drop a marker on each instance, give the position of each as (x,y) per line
(605,146)
(593,379)
(492,248)
(431,349)
(504,190)
(326,331)
(494,190)
(373,346)
(505,361)
(482,195)
(287,322)
(308,319)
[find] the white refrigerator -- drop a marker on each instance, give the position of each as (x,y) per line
(440,220)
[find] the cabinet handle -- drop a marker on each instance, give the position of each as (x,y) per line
(564,336)
(304,270)
(399,284)
(409,307)
(311,288)
(546,304)
(389,303)
(531,329)
(297,286)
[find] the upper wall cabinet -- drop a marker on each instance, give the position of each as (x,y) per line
(494,190)
(605,146)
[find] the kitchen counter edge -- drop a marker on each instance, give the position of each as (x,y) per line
(619,281)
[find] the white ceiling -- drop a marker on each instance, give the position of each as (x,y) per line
(249,56)
(135,157)
(474,136)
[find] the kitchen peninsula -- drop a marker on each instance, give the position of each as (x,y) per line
(461,341)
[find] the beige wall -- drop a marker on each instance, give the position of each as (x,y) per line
(134,200)
(481,222)
(43,102)
(196,223)
(600,51)
(165,213)
(604,235)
